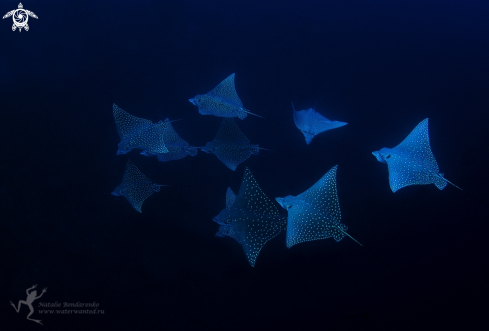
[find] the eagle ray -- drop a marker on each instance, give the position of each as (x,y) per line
(412,162)
(222,101)
(250,217)
(311,123)
(230,145)
(135,186)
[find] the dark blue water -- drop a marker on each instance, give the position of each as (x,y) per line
(381,66)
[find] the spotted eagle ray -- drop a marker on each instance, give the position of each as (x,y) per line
(412,162)
(230,145)
(314,214)
(177,147)
(222,101)
(138,133)
(311,123)
(250,218)
(135,186)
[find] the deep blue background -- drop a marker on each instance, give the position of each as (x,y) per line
(381,66)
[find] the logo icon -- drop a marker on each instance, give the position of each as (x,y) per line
(28,302)
(20,17)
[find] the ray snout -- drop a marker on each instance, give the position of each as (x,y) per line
(378,156)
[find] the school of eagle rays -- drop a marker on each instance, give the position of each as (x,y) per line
(250,217)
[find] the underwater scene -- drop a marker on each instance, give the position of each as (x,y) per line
(244,165)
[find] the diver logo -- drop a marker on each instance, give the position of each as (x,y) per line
(28,302)
(20,17)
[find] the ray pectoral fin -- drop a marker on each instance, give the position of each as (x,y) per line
(308,136)
(254,218)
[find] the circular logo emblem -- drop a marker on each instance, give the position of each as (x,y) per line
(20,17)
